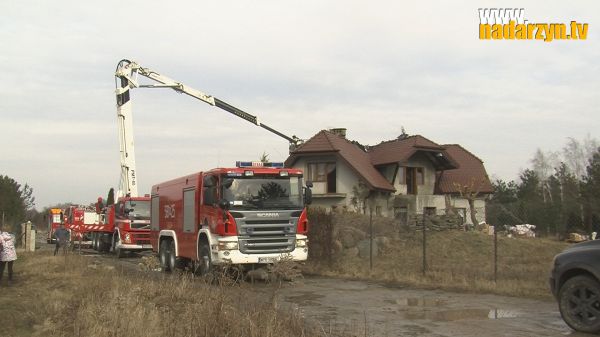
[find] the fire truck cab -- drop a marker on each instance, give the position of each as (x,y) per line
(252,214)
(54,219)
(124,226)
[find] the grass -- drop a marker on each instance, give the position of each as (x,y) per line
(456,260)
(78,296)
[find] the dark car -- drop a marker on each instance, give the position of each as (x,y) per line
(575,284)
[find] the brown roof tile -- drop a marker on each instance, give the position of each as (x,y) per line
(358,160)
(470,171)
(400,151)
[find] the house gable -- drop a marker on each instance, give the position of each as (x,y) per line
(328,143)
(471,173)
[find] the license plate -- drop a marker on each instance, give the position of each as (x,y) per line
(269,259)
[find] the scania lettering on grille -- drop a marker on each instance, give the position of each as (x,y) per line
(267,215)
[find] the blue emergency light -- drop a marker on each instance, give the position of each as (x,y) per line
(257,164)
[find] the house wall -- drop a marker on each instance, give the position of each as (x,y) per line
(459,202)
(346,179)
(419,160)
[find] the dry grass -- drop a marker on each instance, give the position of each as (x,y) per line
(456,260)
(78,296)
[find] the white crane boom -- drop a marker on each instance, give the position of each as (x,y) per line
(126,78)
(128,180)
(127,70)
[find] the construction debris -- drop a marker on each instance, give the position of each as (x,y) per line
(525,230)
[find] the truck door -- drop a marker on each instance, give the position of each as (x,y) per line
(154,221)
(187,242)
(208,208)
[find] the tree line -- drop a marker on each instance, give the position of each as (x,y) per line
(16,201)
(559,193)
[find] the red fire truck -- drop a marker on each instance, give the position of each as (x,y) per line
(123,227)
(54,218)
(202,219)
(79,221)
(252,214)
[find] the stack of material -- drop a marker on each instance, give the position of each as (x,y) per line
(525,230)
(437,222)
(576,237)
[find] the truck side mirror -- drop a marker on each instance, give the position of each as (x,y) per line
(307,194)
(224,204)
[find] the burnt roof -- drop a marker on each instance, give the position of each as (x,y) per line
(401,150)
(327,142)
(470,173)
(456,165)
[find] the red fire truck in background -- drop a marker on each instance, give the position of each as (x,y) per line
(54,219)
(122,227)
(80,221)
(252,214)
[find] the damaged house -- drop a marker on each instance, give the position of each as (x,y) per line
(402,178)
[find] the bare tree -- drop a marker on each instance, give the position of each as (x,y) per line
(471,192)
(360,194)
(578,154)
(543,166)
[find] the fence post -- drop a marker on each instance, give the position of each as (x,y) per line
(424,246)
(371,238)
(495,255)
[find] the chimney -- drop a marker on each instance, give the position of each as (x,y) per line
(339,131)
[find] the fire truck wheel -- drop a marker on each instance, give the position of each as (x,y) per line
(205,261)
(119,253)
(163,256)
(172,258)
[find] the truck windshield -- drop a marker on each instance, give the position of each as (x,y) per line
(264,192)
(139,209)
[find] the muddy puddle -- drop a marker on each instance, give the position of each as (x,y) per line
(435,309)
(367,309)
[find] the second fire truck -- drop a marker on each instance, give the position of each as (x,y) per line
(250,215)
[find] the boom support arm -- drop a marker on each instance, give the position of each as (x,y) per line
(127,71)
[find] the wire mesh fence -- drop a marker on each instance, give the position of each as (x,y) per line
(440,245)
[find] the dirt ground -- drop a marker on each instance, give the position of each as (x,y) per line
(372,309)
(380,310)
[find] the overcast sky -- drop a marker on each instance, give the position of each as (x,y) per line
(301,66)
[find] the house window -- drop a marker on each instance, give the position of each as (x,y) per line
(429,211)
(323,173)
(402,175)
(414,176)
(420,175)
(378,210)
(462,213)
(401,213)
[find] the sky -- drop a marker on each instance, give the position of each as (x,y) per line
(300,66)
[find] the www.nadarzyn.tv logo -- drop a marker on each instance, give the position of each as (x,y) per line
(510,24)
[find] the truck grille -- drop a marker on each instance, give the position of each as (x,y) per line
(141,238)
(266,236)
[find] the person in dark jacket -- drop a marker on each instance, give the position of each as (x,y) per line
(63,237)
